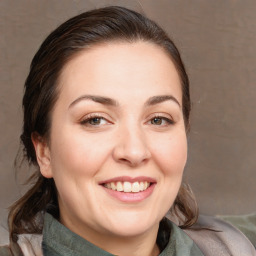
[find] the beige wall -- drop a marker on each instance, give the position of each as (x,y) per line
(217,40)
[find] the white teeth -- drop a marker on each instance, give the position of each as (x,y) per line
(119,186)
(113,186)
(135,187)
(141,186)
(128,187)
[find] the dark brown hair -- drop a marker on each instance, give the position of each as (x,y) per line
(41,92)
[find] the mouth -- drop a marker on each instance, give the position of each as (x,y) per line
(128,187)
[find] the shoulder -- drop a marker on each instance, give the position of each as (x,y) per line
(31,244)
(217,237)
(245,223)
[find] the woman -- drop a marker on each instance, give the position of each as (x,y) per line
(106,112)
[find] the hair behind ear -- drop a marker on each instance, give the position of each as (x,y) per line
(42,195)
(185,207)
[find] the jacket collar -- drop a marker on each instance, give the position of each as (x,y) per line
(59,240)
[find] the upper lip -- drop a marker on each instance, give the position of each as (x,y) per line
(129,179)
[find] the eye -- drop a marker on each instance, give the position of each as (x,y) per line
(94,120)
(161,121)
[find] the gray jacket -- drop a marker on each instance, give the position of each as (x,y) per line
(213,236)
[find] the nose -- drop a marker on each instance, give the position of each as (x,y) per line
(131,147)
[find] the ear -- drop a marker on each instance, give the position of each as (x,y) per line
(43,154)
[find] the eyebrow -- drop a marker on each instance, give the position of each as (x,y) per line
(161,98)
(98,99)
(111,102)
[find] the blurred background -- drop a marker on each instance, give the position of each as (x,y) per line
(217,40)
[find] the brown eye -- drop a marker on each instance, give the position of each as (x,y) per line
(95,121)
(157,121)
(161,121)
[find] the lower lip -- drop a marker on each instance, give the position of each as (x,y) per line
(129,197)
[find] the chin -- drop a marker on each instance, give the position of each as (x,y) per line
(129,231)
(132,226)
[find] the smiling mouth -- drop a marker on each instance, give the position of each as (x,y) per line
(128,187)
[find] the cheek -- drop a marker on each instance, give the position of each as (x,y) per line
(75,162)
(74,157)
(171,154)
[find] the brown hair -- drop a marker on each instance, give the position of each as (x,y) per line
(41,92)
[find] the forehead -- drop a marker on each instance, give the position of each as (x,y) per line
(121,66)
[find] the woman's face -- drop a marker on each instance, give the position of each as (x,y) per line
(118,144)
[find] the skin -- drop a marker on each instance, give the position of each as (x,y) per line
(131,138)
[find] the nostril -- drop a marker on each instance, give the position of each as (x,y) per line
(132,161)
(131,152)
(123,160)
(126,161)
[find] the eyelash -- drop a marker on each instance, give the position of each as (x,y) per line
(168,120)
(86,121)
